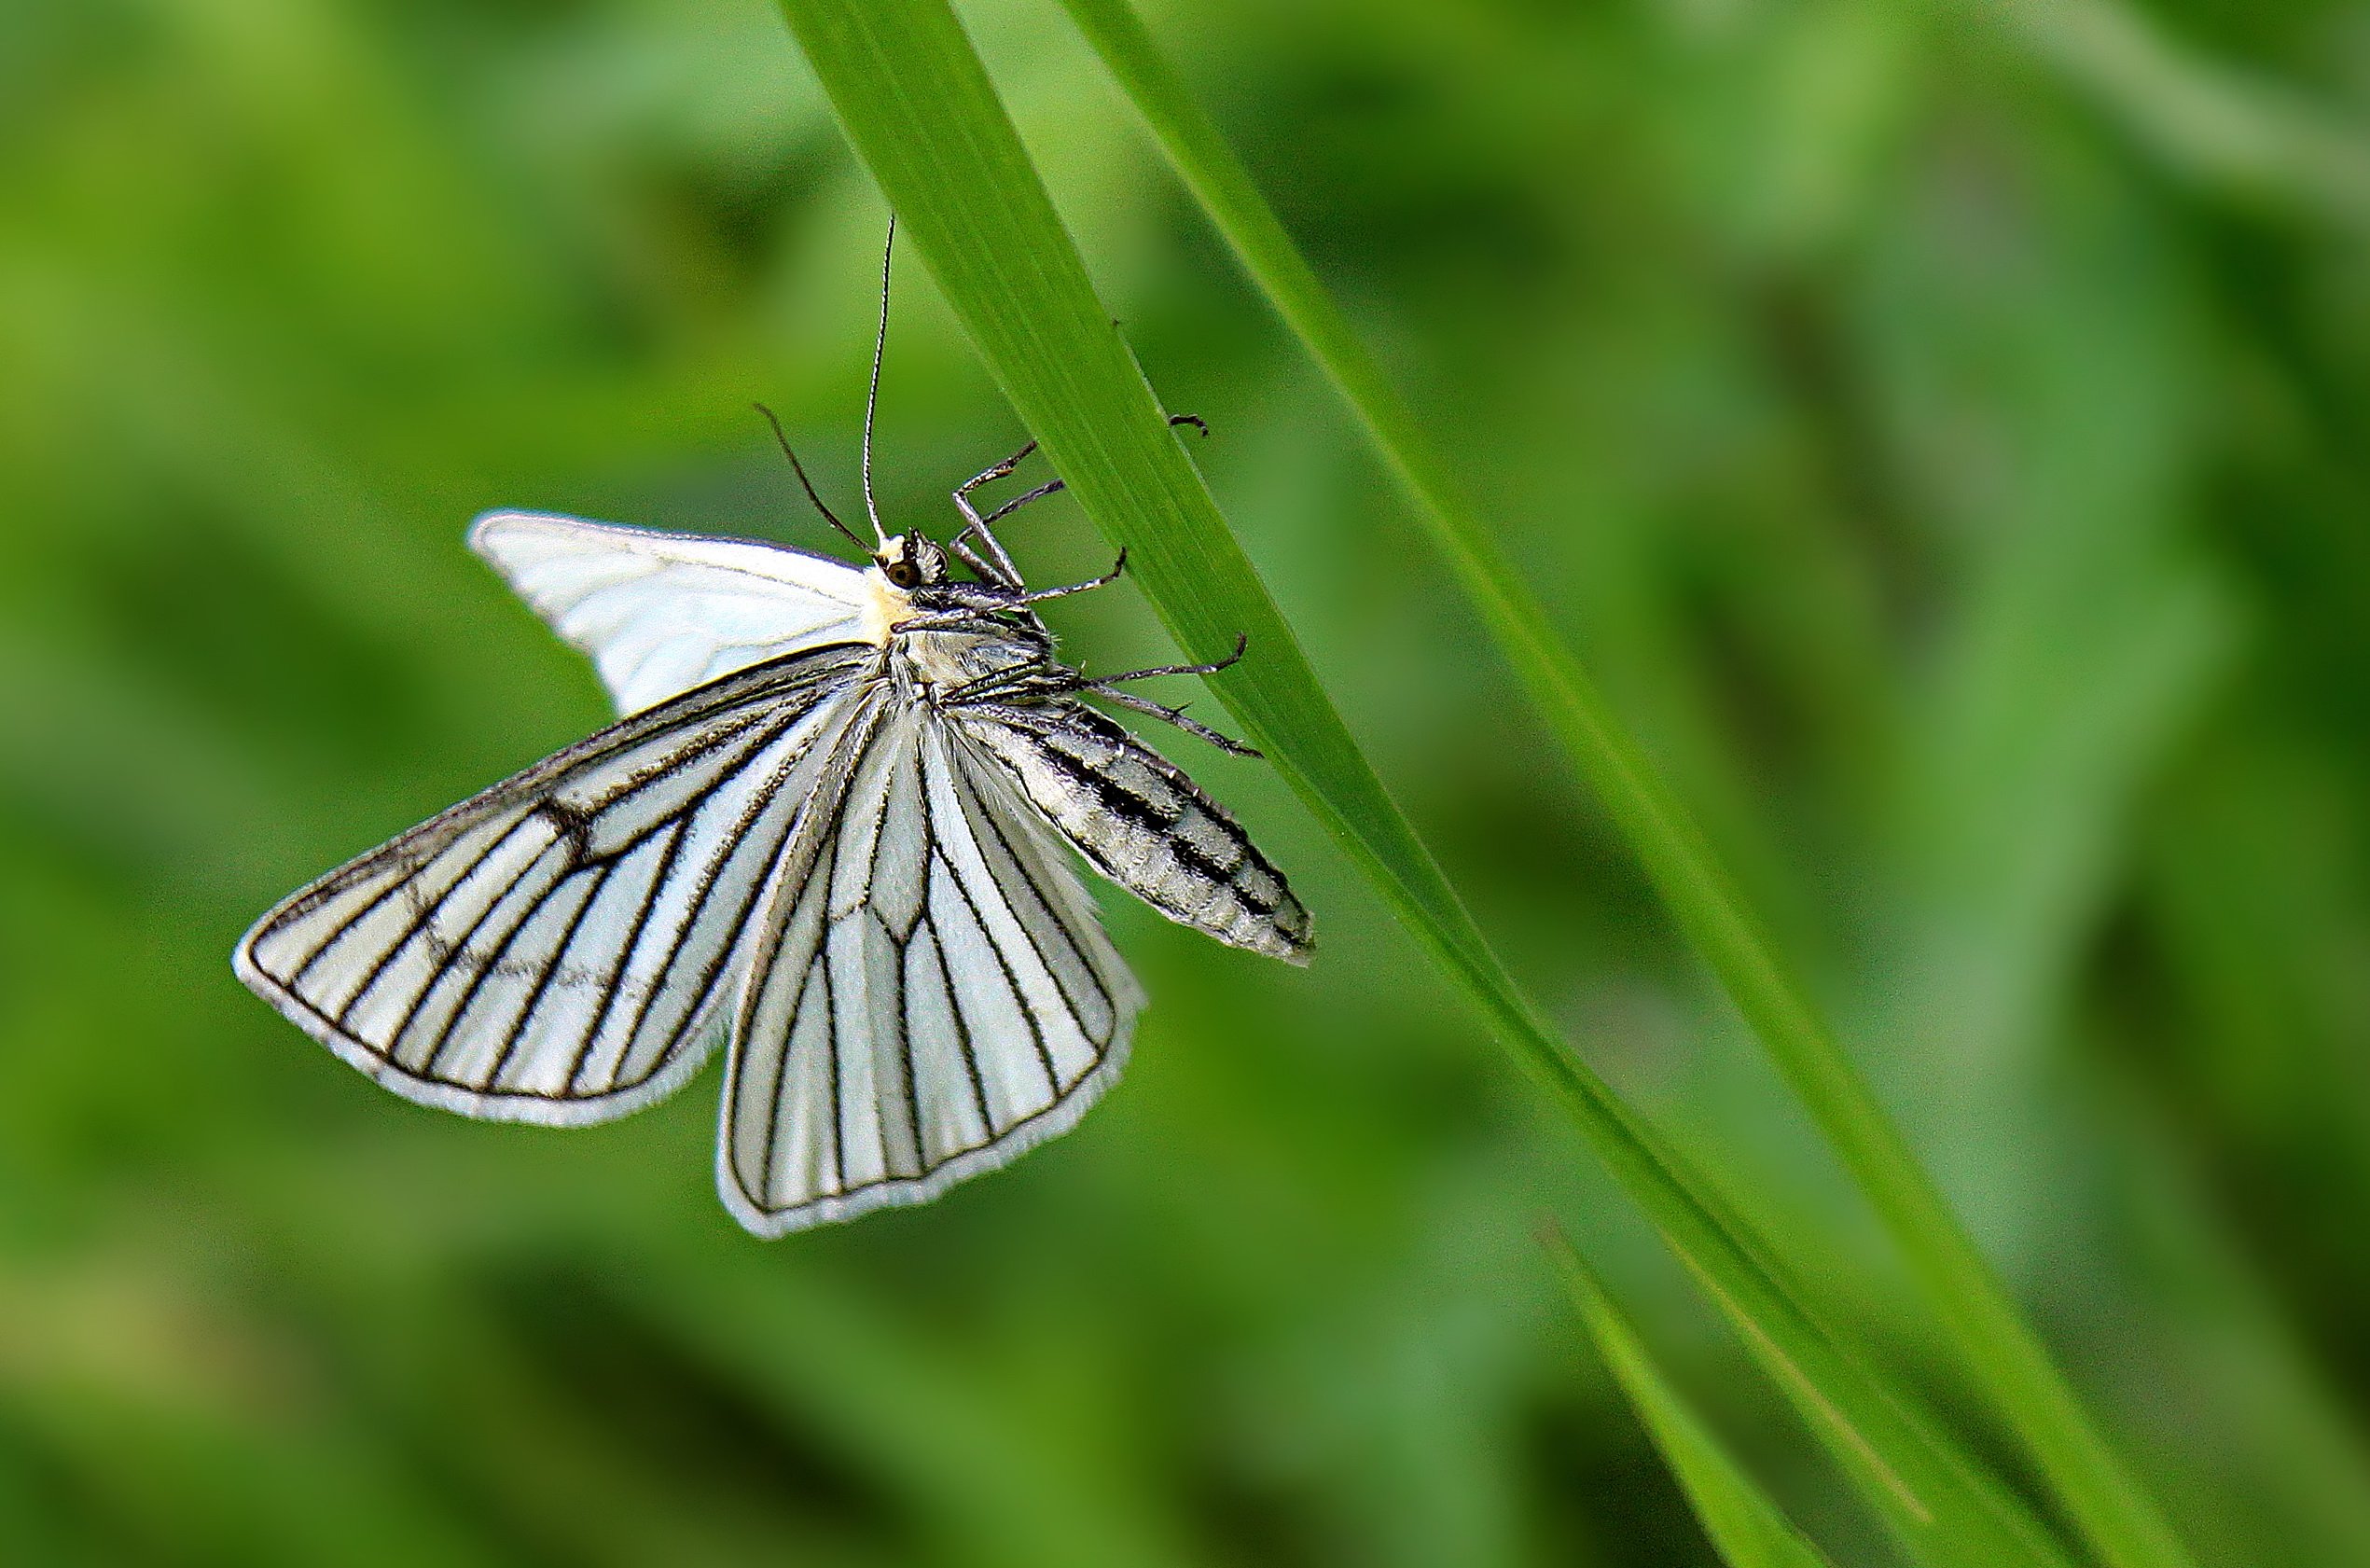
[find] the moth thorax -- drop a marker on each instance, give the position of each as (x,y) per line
(957,655)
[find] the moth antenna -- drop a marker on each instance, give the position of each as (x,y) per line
(807,485)
(872,398)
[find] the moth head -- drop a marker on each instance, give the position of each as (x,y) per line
(909,560)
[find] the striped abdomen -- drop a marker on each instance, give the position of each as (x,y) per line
(1145,824)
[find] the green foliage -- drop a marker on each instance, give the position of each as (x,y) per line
(1955,480)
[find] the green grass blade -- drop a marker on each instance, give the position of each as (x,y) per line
(918,105)
(1742,1519)
(2002,1354)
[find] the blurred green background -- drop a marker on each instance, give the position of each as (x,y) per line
(1944,428)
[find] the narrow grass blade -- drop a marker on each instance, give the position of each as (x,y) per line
(2002,1354)
(918,105)
(1742,1522)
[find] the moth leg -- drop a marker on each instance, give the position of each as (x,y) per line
(1103,581)
(1054,680)
(1002,570)
(998,563)
(1048,487)
(969,556)
(1242,640)
(998,686)
(998,471)
(1172,716)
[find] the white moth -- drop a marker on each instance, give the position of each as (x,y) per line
(828,829)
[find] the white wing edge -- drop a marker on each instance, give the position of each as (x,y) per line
(529,1110)
(1048,1124)
(784,563)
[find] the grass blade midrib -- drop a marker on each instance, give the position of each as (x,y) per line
(2001,1355)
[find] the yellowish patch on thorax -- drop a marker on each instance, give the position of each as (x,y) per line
(885,606)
